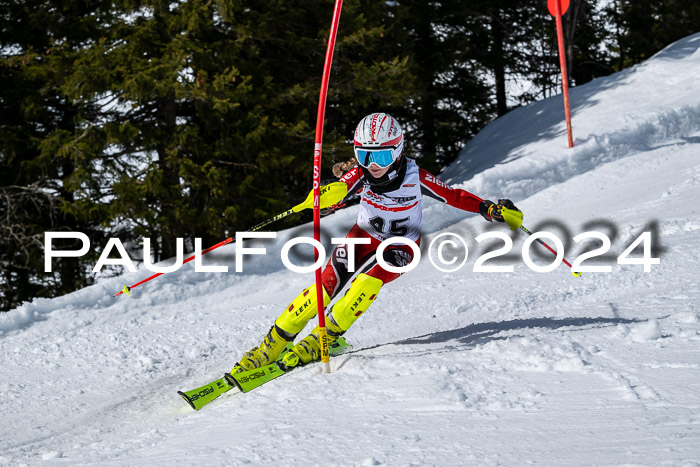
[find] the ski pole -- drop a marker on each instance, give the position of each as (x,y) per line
(331,194)
(514,219)
(541,242)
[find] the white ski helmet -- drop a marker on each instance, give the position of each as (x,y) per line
(379,140)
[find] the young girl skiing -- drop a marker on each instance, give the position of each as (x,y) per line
(392,187)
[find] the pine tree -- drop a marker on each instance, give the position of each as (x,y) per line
(169,119)
(214,120)
(450,100)
(644,28)
(586,30)
(46,148)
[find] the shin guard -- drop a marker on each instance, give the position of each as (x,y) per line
(300,311)
(357,299)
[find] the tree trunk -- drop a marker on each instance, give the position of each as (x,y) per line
(425,47)
(499,70)
(570,20)
(170,231)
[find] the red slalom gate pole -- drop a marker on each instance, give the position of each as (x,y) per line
(325,356)
(557,10)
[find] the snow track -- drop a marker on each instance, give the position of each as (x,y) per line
(454,369)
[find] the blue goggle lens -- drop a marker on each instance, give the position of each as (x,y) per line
(383,158)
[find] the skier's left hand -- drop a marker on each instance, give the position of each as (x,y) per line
(492,211)
(331,209)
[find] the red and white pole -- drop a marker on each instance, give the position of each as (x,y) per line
(557,8)
(325,356)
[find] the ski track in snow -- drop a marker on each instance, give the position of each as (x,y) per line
(448,369)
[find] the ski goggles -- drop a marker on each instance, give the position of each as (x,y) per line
(382,157)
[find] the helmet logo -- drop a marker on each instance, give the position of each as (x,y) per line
(373,128)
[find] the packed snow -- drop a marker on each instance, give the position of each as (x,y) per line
(460,368)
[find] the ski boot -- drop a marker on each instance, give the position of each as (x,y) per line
(345,312)
(272,346)
(286,328)
(308,349)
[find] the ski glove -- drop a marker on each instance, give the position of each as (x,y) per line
(331,209)
(341,168)
(492,211)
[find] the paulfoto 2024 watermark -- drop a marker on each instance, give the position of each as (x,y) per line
(444,252)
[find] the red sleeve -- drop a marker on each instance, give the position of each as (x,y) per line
(461,199)
(352,179)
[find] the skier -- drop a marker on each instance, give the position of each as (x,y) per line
(392,186)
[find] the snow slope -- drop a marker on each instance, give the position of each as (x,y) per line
(463,368)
